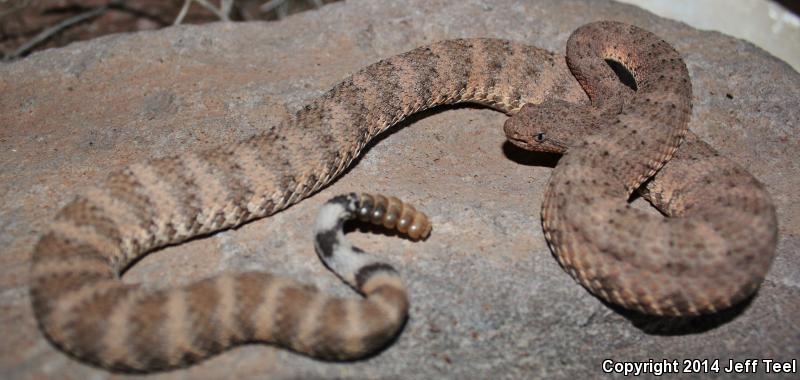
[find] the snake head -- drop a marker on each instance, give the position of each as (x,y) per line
(547,127)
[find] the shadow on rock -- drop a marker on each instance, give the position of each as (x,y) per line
(671,326)
(529,158)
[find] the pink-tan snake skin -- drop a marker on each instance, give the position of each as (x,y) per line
(714,249)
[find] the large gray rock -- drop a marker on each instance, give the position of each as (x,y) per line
(488,298)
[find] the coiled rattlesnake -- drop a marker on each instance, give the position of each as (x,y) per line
(719,241)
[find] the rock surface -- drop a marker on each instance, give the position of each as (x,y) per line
(488,298)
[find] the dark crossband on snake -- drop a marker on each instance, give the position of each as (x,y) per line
(719,240)
(714,249)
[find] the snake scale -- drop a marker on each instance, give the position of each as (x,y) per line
(719,241)
(84,308)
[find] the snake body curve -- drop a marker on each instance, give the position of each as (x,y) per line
(84,308)
(719,240)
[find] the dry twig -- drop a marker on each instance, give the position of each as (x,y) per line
(223,13)
(55,29)
(9,7)
(281,7)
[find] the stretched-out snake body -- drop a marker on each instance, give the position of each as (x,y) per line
(84,308)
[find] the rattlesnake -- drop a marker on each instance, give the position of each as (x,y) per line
(83,307)
(719,241)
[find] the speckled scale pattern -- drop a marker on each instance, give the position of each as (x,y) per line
(718,241)
(84,308)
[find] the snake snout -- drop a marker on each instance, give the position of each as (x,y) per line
(508,128)
(512,132)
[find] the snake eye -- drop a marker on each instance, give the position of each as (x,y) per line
(539,137)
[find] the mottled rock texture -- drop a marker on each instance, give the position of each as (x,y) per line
(488,298)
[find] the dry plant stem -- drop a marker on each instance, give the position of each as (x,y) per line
(55,29)
(18,6)
(220,13)
(281,7)
(223,13)
(225,8)
(271,4)
(182,13)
